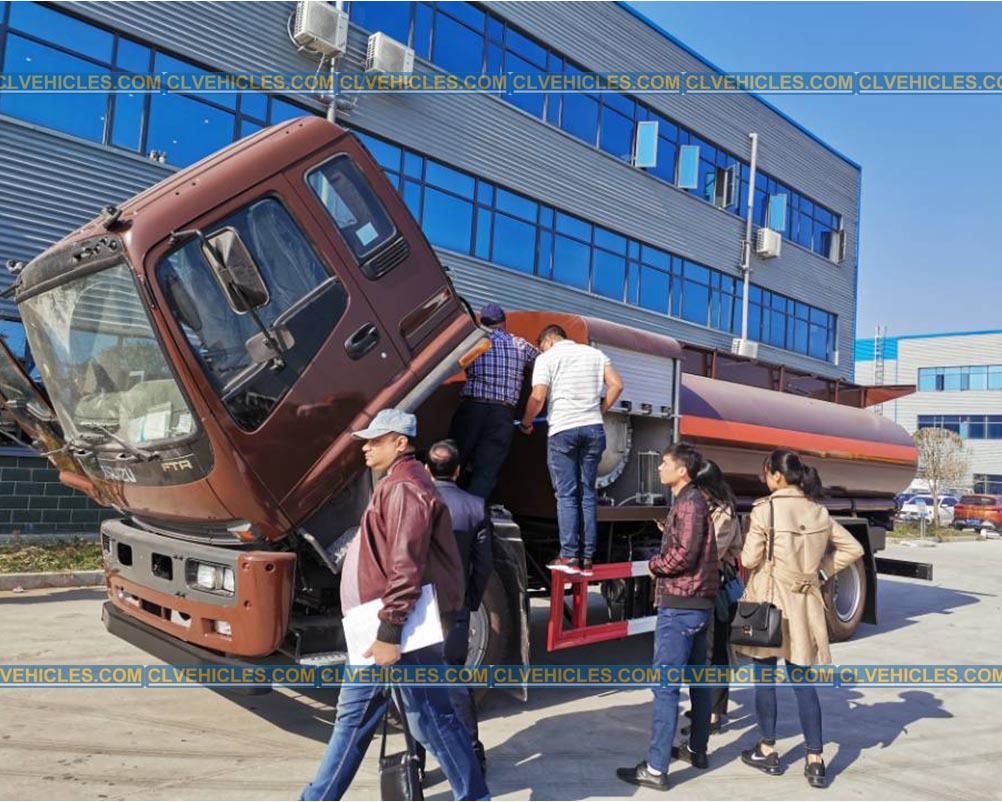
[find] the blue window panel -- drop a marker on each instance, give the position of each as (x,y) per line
(483,245)
(634,251)
(806,206)
(755,321)
(387,155)
(485,193)
(165,63)
(633,283)
(621,103)
(609,278)
(571,262)
(666,166)
(580,116)
(413,165)
(707,181)
(495,29)
(694,272)
(412,197)
(60,29)
(554,100)
(566,224)
(979,377)
(695,302)
(995,377)
(544,265)
(187,129)
(528,50)
(688,167)
(926,380)
(3,11)
(798,336)
(611,242)
(464,12)
(616,134)
(546,216)
(517,205)
(532,102)
(447,220)
(655,258)
(994,427)
(818,342)
(805,230)
(977,428)
(645,151)
(777,212)
(78,113)
(654,290)
(422,30)
(393,178)
(132,56)
(514,243)
(822,244)
(495,58)
(446,178)
(254,104)
(392,18)
(282,111)
(247,127)
(127,122)
(951,379)
(457,48)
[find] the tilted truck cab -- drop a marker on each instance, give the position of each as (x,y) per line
(207,348)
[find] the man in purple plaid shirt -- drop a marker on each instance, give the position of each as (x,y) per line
(483,426)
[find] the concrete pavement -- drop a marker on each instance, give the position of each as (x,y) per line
(195,743)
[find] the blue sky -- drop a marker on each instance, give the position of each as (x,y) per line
(931,249)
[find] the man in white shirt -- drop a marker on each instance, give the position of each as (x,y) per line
(573,376)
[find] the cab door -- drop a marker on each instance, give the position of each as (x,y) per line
(283,416)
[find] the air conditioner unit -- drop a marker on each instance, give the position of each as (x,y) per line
(388,55)
(320,26)
(748,348)
(768,243)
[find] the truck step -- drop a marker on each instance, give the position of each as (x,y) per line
(323,659)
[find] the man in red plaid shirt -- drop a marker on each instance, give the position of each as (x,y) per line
(484,424)
(686,580)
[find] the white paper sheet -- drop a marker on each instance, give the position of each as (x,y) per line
(423,627)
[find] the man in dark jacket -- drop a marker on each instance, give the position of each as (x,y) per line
(471,524)
(686,581)
(405,542)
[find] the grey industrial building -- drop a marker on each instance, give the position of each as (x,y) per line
(532,201)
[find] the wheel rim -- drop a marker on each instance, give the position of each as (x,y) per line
(479,632)
(846,594)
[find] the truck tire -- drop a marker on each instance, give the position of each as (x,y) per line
(490,626)
(845,597)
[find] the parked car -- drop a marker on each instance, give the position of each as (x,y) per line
(980,511)
(920,506)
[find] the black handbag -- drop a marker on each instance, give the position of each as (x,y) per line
(399,773)
(760,623)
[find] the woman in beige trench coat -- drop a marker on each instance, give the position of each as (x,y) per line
(809,547)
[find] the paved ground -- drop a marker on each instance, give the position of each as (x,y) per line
(563,744)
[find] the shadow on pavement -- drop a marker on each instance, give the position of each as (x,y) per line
(98,593)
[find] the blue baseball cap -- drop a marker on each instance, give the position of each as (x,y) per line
(386,421)
(491,314)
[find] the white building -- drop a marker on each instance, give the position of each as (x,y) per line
(959,387)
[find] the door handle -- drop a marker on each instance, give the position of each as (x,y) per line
(362,341)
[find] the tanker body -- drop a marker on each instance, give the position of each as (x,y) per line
(207,348)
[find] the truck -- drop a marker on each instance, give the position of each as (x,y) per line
(206,348)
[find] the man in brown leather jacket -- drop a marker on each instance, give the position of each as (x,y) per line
(405,541)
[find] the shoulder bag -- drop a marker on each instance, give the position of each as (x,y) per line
(399,776)
(760,623)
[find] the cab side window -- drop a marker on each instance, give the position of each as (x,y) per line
(352,204)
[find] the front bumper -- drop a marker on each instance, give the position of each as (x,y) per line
(147,575)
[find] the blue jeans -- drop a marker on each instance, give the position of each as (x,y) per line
(681,637)
(360,709)
(573,456)
(808,706)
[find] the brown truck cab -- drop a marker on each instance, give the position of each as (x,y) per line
(208,347)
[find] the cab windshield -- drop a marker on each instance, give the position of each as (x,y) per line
(102,364)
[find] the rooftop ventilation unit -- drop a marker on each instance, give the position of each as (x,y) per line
(768,243)
(388,55)
(321,27)
(747,348)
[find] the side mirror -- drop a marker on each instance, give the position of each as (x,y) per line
(236,270)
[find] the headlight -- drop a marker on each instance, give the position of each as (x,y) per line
(211,577)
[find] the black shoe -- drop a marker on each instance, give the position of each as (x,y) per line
(767,763)
(639,775)
(686,755)
(478,750)
(815,774)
